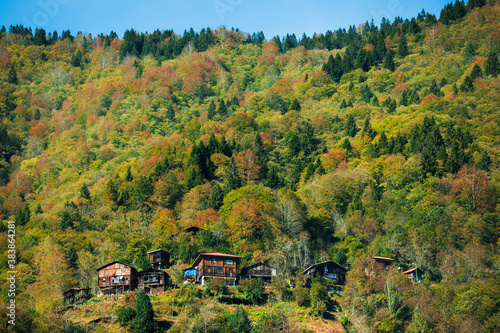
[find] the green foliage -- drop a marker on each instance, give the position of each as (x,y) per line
(319,298)
(144,322)
(239,321)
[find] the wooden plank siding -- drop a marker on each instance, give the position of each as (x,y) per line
(116,277)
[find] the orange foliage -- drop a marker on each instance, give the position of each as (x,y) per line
(429,99)
(207,218)
(399,89)
(267,140)
(269,53)
(472,186)
(165,222)
(248,166)
(39,131)
(332,159)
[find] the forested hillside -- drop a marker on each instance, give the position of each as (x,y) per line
(360,142)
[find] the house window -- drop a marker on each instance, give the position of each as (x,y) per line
(106,272)
(231,271)
(229,262)
(212,261)
(103,279)
(208,269)
(219,270)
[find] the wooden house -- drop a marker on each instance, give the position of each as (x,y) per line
(414,274)
(216,265)
(258,270)
(153,281)
(159,258)
(116,278)
(329,270)
(76,295)
(385,262)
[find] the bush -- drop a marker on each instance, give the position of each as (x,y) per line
(239,321)
(301,296)
(125,316)
(319,298)
(253,289)
(218,286)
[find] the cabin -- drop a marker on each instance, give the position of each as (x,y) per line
(153,281)
(116,278)
(259,270)
(385,262)
(330,270)
(76,295)
(159,258)
(414,274)
(215,265)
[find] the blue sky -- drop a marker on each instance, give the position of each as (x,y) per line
(272,17)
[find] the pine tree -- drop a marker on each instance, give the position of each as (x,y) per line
(239,321)
(403,47)
(211,110)
(346,145)
(350,127)
(295,105)
(273,180)
(144,314)
(492,65)
(84,192)
(222,108)
(484,162)
(12,78)
(216,198)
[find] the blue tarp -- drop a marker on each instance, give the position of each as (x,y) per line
(191,272)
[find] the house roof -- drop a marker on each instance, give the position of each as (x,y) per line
(160,250)
(191,229)
(412,270)
(214,254)
(324,262)
(383,258)
(115,262)
(255,265)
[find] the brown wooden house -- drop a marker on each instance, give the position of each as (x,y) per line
(414,274)
(159,258)
(116,278)
(216,265)
(258,270)
(153,281)
(329,270)
(76,295)
(386,262)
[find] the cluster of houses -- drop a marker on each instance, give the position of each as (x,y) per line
(117,277)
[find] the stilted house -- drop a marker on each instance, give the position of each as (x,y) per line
(153,281)
(116,278)
(216,265)
(386,262)
(414,274)
(329,270)
(76,295)
(159,258)
(258,270)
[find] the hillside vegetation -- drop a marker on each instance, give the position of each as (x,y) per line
(373,140)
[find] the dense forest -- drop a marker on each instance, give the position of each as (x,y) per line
(360,142)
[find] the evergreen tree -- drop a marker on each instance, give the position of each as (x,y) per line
(222,108)
(346,145)
(128,175)
(72,257)
(350,127)
(216,196)
(239,321)
(170,113)
(403,47)
(211,110)
(12,78)
(23,215)
(368,130)
(469,52)
(84,192)
(492,65)
(76,59)
(273,180)
(295,105)
(37,114)
(144,314)
(232,178)
(383,143)
(484,162)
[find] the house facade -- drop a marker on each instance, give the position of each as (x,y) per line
(414,274)
(258,270)
(116,278)
(385,262)
(329,270)
(153,281)
(159,258)
(215,265)
(76,295)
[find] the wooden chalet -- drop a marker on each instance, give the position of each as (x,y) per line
(76,295)
(386,262)
(258,270)
(116,278)
(215,265)
(329,270)
(153,281)
(414,274)
(159,258)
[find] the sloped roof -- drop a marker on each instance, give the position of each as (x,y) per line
(412,270)
(255,265)
(160,250)
(115,262)
(214,254)
(324,262)
(383,258)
